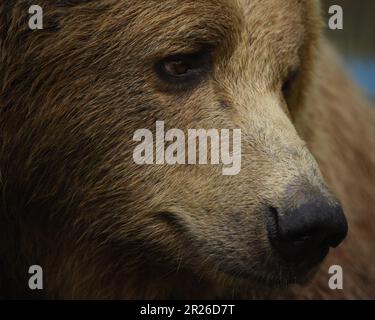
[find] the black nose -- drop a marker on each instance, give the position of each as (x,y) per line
(304,235)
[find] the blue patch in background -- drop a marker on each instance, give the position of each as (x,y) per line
(364,72)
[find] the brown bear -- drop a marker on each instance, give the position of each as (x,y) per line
(74,201)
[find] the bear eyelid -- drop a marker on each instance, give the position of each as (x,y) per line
(185,69)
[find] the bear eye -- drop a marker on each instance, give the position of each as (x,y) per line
(289,82)
(177,68)
(185,69)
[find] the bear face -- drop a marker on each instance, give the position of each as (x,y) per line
(75,93)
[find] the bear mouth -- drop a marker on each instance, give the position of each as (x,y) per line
(278,277)
(271,271)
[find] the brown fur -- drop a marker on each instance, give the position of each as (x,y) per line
(74,202)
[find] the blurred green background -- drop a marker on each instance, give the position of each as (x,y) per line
(356,41)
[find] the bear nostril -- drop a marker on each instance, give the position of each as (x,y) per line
(306,233)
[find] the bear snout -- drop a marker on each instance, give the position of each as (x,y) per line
(302,237)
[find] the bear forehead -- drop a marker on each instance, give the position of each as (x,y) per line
(175,26)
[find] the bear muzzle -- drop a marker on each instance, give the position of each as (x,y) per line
(302,237)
